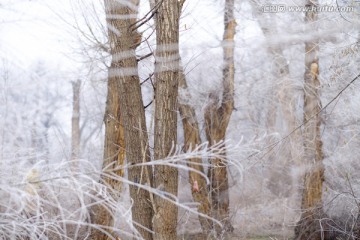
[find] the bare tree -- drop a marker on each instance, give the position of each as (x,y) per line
(192,139)
(75,121)
(217,117)
(123,41)
(310,226)
(167,77)
(125,100)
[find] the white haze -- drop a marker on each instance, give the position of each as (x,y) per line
(42,52)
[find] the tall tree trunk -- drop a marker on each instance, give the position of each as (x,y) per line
(216,122)
(75,124)
(197,182)
(114,157)
(167,76)
(137,149)
(309,225)
(125,100)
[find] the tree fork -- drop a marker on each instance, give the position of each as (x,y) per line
(216,122)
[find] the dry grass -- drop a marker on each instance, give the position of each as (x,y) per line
(200,236)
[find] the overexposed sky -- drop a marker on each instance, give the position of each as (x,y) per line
(32,30)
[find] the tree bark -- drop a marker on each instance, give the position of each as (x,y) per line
(216,122)
(197,182)
(75,125)
(125,96)
(167,76)
(114,157)
(309,225)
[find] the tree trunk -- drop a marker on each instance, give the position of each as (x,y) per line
(75,127)
(167,76)
(197,182)
(114,157)
(136,141)
(137,150)
(216,122)
(309,225)
(125,96)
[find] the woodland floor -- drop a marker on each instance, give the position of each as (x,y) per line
(200,236)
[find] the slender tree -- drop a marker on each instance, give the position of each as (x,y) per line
(192,139)
(75,123)
(309,226)
(199,189)
(167,77)
(216,122)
